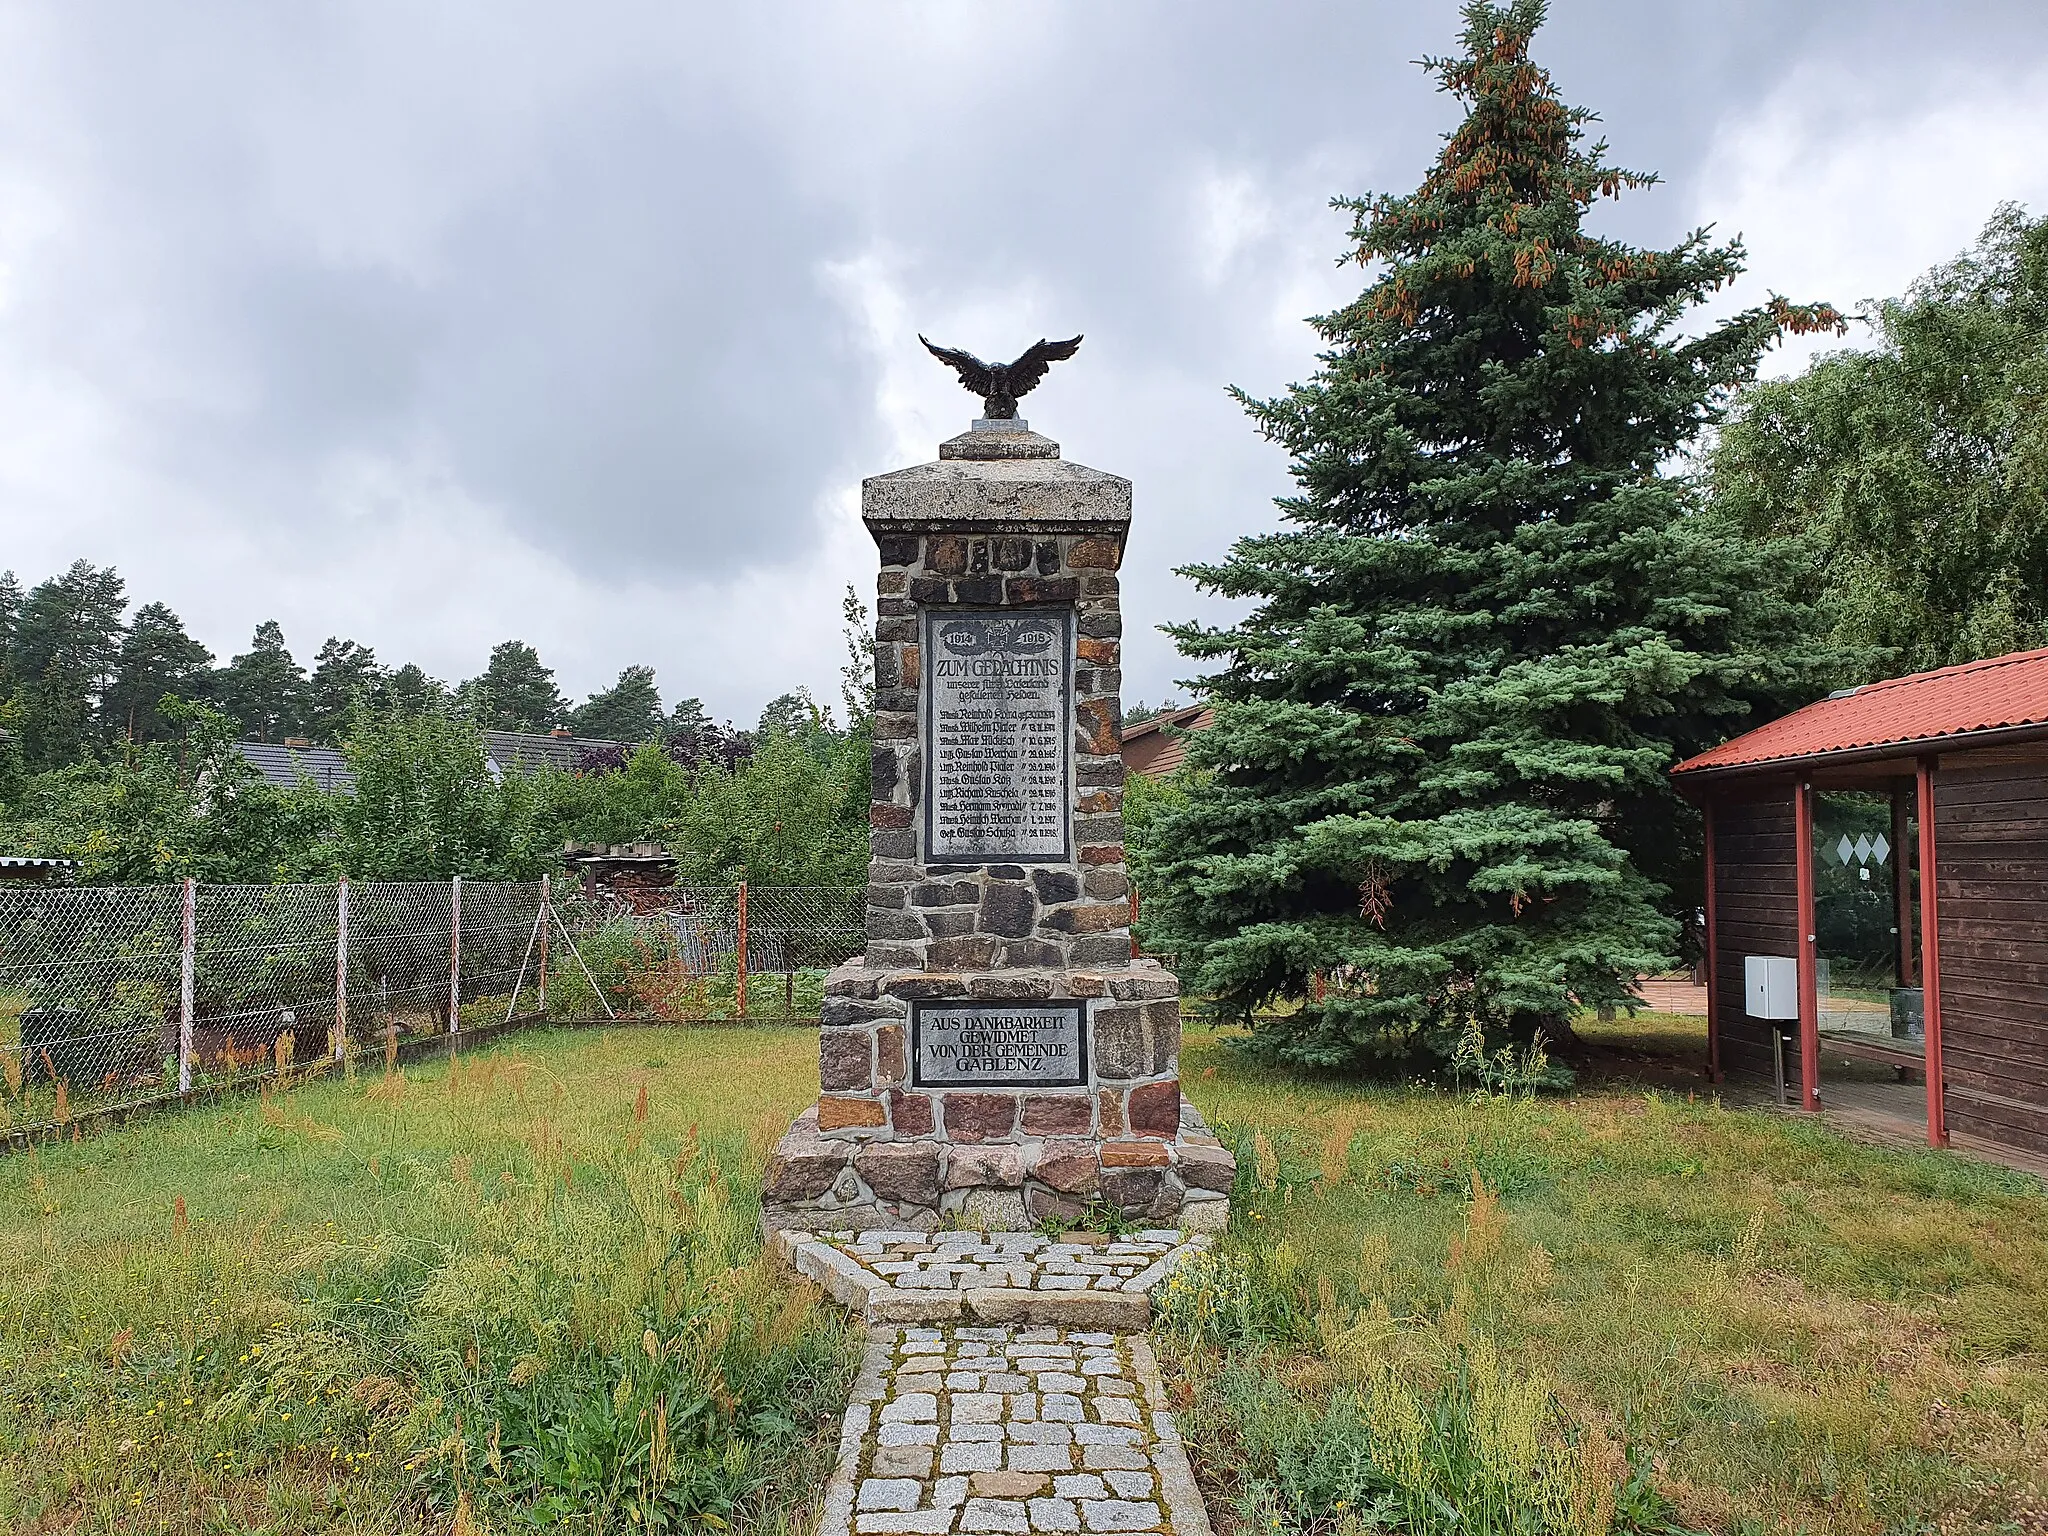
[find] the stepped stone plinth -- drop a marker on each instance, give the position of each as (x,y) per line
(998,1056)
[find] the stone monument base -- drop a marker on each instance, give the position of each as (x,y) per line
(882,1152)
(822,1182)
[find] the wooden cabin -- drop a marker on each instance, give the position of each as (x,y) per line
(1876,907)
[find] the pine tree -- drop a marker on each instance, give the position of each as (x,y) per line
(1435,793)
(515,692)
(628,711)
(264,690)
(67,644)
(343,673)
(157,658)
(411,691)
(687,719)
(10,619)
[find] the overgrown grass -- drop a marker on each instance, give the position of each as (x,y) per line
(520,1291)
(1619,1309)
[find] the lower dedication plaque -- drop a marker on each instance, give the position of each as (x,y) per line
(998,1045)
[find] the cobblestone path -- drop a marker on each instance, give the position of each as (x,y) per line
(1010,1430)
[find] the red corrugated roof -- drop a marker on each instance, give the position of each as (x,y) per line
(2001,692)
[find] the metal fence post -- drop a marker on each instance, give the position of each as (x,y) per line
(547,916)
(742,972)
(341,970)
(187,954)
(455,956)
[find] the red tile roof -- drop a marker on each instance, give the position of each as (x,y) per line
(2001,692)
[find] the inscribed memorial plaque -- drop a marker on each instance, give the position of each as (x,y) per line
(998,1045)
(998,735)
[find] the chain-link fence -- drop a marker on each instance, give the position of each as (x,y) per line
(89,998)
(115,997)
(711,952)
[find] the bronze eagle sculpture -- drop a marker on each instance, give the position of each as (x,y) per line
(999,384)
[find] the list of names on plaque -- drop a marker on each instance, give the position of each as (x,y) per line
(987,1045)
(998,733)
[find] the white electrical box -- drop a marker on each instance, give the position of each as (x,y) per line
(1770,986)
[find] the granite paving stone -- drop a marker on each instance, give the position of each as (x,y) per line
(930,1449)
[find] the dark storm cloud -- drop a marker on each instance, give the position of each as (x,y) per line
(601,270)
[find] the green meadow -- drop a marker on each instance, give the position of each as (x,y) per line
(525,1290)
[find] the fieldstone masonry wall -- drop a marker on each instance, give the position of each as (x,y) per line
(1001,524)
(991,916)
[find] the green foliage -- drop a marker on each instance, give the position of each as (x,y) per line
(795,813)
(515,692)
(857,676)
(64,650)
(186,806)
(1505,1070)
(628,711)
(427,805)
(264,689)
(411,690)
(345,675)
(1476,1452)
(157,659)
(1243,1300)
(1914,476)
(649,791)
(1438,764)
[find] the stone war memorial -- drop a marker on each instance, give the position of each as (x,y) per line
(998,1058)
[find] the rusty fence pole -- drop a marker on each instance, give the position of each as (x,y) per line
(187,955)
(742,974)
(455,956)
(1136,951)
(547,918)
(340,1043)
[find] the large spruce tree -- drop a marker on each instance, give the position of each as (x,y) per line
(1436,791)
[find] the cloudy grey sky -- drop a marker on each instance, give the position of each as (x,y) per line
(434,324)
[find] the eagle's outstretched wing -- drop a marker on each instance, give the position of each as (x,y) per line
(974,373)
(1039,356)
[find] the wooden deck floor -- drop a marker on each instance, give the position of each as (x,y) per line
(1864,1106)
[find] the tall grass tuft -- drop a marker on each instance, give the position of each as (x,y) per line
(1401,1424)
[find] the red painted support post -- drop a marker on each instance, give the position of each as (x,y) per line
(1711,942)
(742,973)
(187,956)
(547,921)
(339,1044)
(1930,958)
(455,956)
(1809,949)
(1135,951)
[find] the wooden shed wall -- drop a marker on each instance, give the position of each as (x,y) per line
(1756,912)
(1991,822)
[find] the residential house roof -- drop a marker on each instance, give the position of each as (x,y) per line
(1151,749)
(328,767)
(532,749)
(325,767)
(2003,694)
